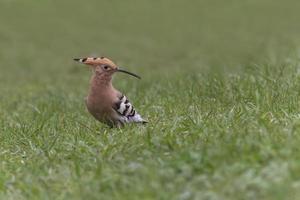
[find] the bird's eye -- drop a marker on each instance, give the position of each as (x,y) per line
(105,67)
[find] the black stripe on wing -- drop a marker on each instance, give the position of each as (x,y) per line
(124,107)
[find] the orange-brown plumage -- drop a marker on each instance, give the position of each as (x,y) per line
(104,102)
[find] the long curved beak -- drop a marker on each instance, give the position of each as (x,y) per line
(127,72)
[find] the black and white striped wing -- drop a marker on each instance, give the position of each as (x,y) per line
(126,111)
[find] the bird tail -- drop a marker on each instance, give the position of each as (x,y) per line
(144,122)
(137,119)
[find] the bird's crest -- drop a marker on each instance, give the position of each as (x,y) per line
(96,61)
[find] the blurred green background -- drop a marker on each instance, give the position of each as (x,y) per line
(46,152)
(42,37)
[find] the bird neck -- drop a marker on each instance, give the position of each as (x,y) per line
(100,82)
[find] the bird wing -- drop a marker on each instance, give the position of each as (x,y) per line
(126,111)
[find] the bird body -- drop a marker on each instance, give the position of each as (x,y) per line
(104,102)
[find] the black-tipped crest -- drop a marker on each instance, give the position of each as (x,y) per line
(80,59)
(94,61)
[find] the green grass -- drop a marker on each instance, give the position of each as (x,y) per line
(220,86)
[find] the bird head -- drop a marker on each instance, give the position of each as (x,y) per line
(103,66)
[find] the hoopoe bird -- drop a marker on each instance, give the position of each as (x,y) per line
(104,102)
